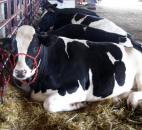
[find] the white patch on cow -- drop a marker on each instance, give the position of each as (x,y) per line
(134,98)
(56,102)
(66,47)
(39,96)
(108,26)
(132,59)
(84,28)
(112,59)
(90,97)
(67,40)
(24,36)
(128,43)
(73,21)
(44,13)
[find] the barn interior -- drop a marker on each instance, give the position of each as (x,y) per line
(18,112)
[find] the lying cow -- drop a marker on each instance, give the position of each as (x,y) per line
(55,18)
(78,31)
(66,72)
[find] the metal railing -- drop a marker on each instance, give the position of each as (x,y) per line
(13,13)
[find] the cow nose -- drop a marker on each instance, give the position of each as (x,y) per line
(20,73)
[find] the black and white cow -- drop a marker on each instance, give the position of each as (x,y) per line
(79,31)
(68,71)
(55,18)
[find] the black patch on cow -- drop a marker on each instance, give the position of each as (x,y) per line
(85,83)
(82,32)
(103,70)
(123,39)
(32,51)
(120,72)
(64,70)
(47,21)
(79,16)
(90,19)
(68,68)
(60,18)
(70,87)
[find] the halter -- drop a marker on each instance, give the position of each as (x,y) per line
(35,64)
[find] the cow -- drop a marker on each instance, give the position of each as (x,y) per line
(64,73)
(79,31)
(55,18)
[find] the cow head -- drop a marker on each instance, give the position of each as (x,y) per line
(25,48)
(48,17)
(46,5)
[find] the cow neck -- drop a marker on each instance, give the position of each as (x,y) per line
(43,68)
(62,18)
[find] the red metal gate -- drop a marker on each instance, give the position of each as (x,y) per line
(13,13)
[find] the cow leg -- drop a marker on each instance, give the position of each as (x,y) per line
(134,97)
(117,100)
(58,106)
(57,103)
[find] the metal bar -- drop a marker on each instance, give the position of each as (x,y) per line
(9,15)
(9,20)
(3,1)
(15,9)
(29,10)
(14,30)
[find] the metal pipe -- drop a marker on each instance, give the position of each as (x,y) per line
(9,20)
(3,1)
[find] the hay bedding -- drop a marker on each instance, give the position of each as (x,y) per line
(19,113)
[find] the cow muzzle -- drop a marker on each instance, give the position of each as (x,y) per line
(20,73)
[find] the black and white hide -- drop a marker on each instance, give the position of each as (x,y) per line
(55,18)
(72,71)
(79,31)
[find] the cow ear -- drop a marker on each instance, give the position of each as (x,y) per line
(5,43)
(47,40)
(49,7)
(52,8)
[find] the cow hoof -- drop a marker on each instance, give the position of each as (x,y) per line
(116,101)
(78,105)
(132,102)
(51,104)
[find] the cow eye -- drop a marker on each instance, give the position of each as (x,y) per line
(35,49)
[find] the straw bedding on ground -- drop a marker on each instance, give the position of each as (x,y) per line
(20,113)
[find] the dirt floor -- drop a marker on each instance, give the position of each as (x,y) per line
(126,15)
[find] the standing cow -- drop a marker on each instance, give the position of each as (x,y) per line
(65,72)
